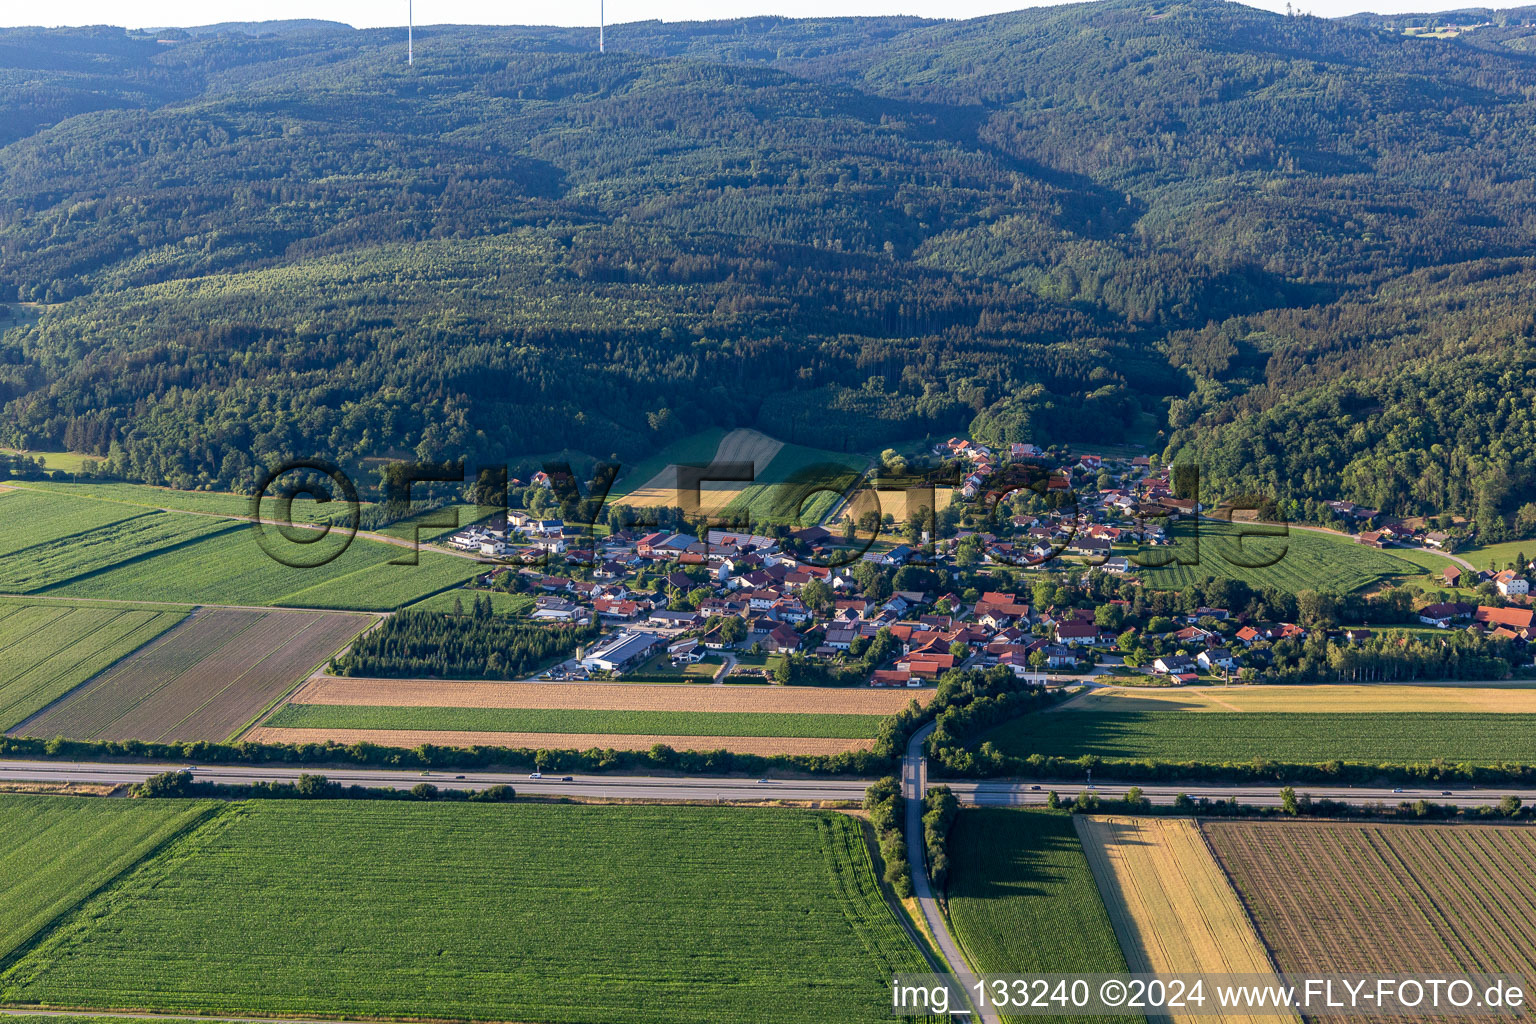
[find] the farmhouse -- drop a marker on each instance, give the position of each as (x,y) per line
(1510,584)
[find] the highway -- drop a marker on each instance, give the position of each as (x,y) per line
(992,793)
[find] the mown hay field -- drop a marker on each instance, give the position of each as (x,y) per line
(1173,910)
(203,681)
(49,648)
(1300,560)
(1320,699)
(1387,899)
(55,852)
(572,720)
(1022,899)
(1380,738)
(407,738)
(807,700)
(526,912)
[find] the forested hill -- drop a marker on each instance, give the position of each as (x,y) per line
(1256,239)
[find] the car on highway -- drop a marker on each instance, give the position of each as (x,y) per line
(764,782)
(568,778)
(1034,788)
(535,775)
(1399,789)
(458,776)
(1445,792)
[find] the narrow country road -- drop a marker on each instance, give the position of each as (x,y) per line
(914,782)
(727,666)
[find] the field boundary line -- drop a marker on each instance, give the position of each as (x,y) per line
(1242,901)
(194,824)
(113,666)
(136,559)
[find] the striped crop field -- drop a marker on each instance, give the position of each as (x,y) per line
(203,681)
(543,913)
(55,852)
(49,648)
(1390,899)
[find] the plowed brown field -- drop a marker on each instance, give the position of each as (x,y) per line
(427,693)
(558,740)
(203,680)
(1370,898)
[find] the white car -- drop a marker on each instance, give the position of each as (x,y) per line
(536,775)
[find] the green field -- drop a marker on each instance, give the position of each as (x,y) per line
(697,448)
(528,912)
(231,568)
(771,498)
(1385,738)
(661,670)
(143,536)
(55,852)
(49,648)
(69,462)
(1022,899)
(502,603)
(1499,556)
(1302,560)
(639,723)
(31,518)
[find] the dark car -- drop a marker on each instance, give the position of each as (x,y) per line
(569,778)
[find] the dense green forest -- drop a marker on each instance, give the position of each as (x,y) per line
(1295,249)
(472,643)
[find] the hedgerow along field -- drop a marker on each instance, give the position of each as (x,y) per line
(49,648)
(1367,898)
(57,851)
(549,720)
(206,680)
(528,912)
(1374,738)
(1302,560)
(1022,899)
